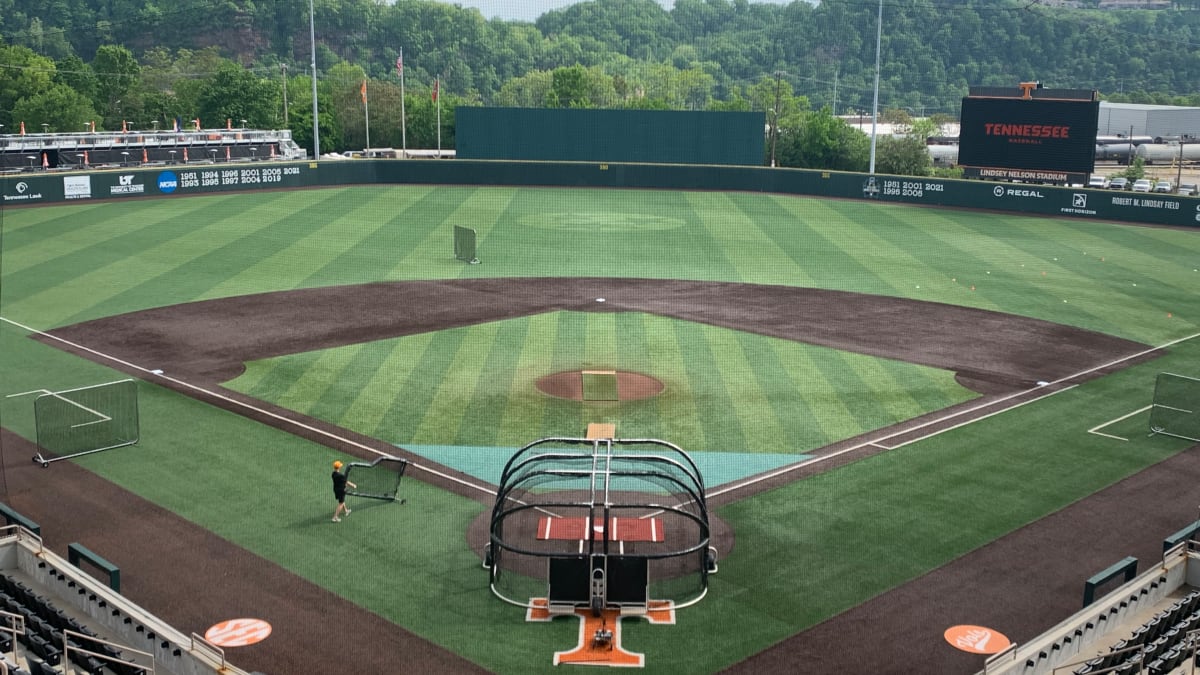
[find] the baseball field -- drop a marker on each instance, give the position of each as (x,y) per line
(875,394)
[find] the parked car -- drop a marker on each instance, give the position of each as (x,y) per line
(1163,186)
(1142,185)
(1098,182)
(1188,189)
(1118,183)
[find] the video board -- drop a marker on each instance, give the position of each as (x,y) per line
(1033,139)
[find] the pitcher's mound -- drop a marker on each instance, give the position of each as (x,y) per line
(630,386)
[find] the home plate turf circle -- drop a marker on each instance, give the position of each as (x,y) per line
(630,386)
(602,221)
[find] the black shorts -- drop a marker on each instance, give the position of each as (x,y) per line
(340,495)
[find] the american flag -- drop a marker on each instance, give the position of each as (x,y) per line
(400,66)
(435,88)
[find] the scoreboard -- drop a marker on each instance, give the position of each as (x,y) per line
(1042,139)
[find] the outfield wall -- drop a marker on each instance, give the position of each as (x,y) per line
(1157,209)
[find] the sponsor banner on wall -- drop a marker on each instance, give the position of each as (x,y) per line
(128,184)
(22,192)
(77,187)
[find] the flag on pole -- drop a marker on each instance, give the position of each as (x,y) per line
(124,126)
(363,91)
(197,123)
(22,128)
(145,156)
(93,126)
(176,124)
(185,159)
(45,160)
(435,88)
(227,153)
(400,65)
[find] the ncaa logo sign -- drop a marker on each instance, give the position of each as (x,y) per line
(167,182)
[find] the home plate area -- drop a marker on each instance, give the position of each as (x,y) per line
(600,636)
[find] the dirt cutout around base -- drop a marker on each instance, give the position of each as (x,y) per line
(630,386)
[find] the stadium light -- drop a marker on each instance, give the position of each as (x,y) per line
(875,103)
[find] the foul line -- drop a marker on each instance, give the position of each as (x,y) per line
(875,441)
(1094,430)
(244,405)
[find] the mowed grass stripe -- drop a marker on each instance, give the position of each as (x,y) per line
(1142,287)
(906,390)
(600,345)
(525,411)
(737,365)
(840,376)
(678,408)
(397,358)
(415,395)
(790,411)
(155,270)
(275,229)
(272,378)
(464,375)
(480,421)
(341,222)
(751,252)
(708,388)
(390,237)
(819,240)
(828,418)
(636,419)
(79,228)
(320,380)
(566,418)
(896,269)
(93,245)
(988,262)
(477,211)
(1042,249)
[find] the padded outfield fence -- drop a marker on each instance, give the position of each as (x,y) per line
(600,523)
(82,421)
(1176,408)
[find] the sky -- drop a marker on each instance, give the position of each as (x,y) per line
(528,10)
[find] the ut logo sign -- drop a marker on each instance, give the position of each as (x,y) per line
(126,180)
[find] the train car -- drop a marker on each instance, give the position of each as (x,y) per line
(1163,153)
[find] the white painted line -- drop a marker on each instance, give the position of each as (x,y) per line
(1096,429)
(823,458)
(247,406)
(983,417)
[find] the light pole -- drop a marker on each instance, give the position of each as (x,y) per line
(253,153)
(775,123)
(172,153)
(875,104)
(213,153)
(31,159)
(125,158)
(312,42)
(79,156)
(243,124)
(45,128)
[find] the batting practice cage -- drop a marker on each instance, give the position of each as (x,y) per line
(600,523)
(81,421)
(1176,408)
(378,480)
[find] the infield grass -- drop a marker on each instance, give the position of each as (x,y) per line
(804,551)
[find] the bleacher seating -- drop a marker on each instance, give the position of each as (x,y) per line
(45,624)
(1159,643)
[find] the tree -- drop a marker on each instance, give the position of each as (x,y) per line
(118,74)
(822,141)
(60,106)
(23,74)
(234,93)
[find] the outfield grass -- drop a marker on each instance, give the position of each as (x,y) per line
(800,549)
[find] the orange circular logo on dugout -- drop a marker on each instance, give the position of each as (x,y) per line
(976,639)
